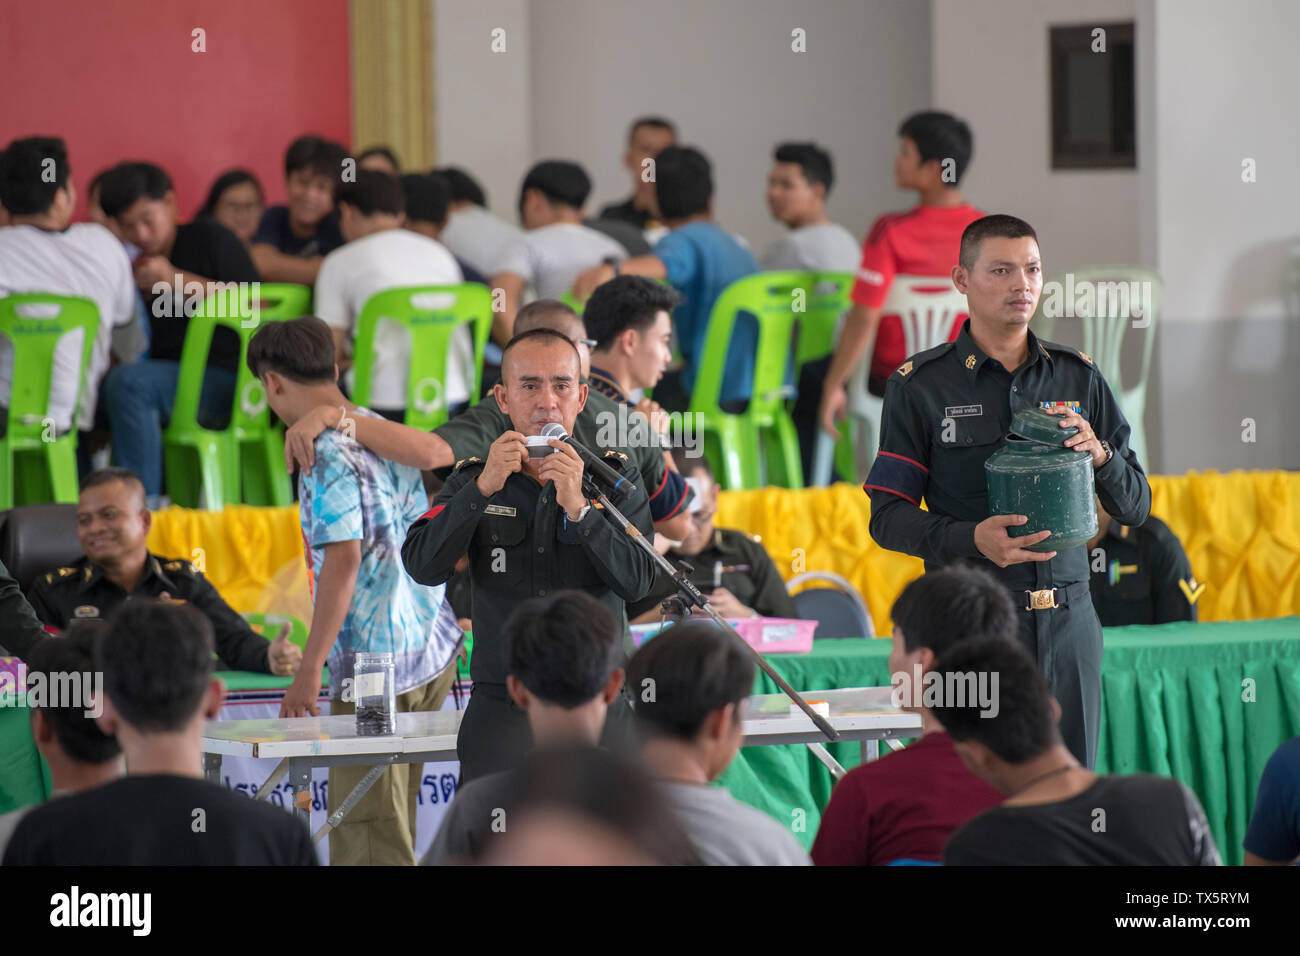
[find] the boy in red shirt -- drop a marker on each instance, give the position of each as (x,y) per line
(906,805)
(933,153)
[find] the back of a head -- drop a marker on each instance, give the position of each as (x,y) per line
(127,183)
(549,314)
(463,186)
(997,226)
(386,153)
(679,677)
(59,659)
(1020,725)
(563,648)
(953,604)
(562,183)
(814,161)
(426,197)
(626,302)
(157,662)
(315,155)
(683,182)
(32,170)
(940,136)
(373,193)
(302,350)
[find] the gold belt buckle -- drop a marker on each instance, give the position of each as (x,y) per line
(1043,600)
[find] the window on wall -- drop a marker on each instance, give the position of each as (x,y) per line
(1093,112)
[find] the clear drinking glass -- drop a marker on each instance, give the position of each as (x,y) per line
(374,687)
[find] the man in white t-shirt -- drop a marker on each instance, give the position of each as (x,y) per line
(473,234)
(378,255)
(557,247)
(41,252)
(797,187)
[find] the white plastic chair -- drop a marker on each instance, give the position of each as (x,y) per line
(927,306)
(1103,335)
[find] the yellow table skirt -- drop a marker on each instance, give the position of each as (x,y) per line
(1241,531)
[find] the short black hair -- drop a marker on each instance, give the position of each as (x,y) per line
(157,661)
(322,157)
(683,182)
(302,350)
(106,476)
(655,122)
(563,647)
(561,182)
(813,161)
(229,180)
(940,136)
(626,302)
(997,226)
(427,196)
(384,151)
(127,183)
(372,193)
(26,188)
(676,679)
(79,736)
(536,315)
(539,333)
(1023,727)
(688,464)
(955,603)
(463,185)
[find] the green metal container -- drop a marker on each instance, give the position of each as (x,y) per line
(1034,475)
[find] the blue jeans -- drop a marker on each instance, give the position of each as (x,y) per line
(137,399)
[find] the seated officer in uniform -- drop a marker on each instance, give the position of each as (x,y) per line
(731,567)
(112,525)
(1140,575)
(529,530)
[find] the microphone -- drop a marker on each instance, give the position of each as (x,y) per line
(607,475)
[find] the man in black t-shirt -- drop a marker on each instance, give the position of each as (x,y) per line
(158,688)
(292,240)
(175,262)
(995,705)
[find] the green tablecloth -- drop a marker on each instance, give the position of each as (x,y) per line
(1206,703)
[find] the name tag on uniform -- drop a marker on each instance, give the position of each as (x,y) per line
(499,510)
(963,411)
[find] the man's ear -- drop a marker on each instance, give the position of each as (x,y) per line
(627,341)
(717,726)
(959,278)
(42,729)
(613,686)
(214,699)
(170,200)
(518,692)
(108,720)
(927,659)
(583,391)
(146,518)
(499,393)
(1056,711)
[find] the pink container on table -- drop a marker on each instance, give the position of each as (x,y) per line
(767,635)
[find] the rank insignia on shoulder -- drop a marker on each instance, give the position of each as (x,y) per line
(905,367)
(64,572)
(466,461)
(176,566)
(1086,357)
(612,454)
(86,610)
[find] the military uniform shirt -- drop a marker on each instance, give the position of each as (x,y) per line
(521,544)
(1139,580)
(20,630)
(760,588)
(84,590)
(946,410)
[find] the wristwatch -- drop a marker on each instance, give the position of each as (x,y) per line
(1110,453)
(581,514)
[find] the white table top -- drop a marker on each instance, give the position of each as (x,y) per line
(857,713)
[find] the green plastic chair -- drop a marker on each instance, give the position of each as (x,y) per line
(1103,335)
(828,300)
(759,445)
(431,313)
(268,625)
(244,463)
(33,459)
(282,300)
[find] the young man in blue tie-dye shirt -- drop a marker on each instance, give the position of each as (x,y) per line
(355,509)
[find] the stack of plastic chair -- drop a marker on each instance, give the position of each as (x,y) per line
(36,463)
(927,306)
(432,315)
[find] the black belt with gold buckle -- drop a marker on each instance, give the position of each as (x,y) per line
(1050,598)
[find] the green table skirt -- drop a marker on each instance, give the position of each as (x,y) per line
(1206,703)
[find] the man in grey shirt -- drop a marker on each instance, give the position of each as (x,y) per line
(688,685)
(797,187)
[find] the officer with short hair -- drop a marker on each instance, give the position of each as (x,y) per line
(529,530)
(947,409)
(112,525)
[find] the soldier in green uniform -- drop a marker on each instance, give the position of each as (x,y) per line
(731,567)
(112,525)
(948,408)
(529,531)
(1140,575)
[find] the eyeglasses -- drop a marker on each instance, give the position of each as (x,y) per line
(590,343)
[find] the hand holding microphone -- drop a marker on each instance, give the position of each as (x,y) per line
(598,469)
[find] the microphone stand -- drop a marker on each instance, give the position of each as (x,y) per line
(689,594)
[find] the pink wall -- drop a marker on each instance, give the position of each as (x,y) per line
(118,80)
